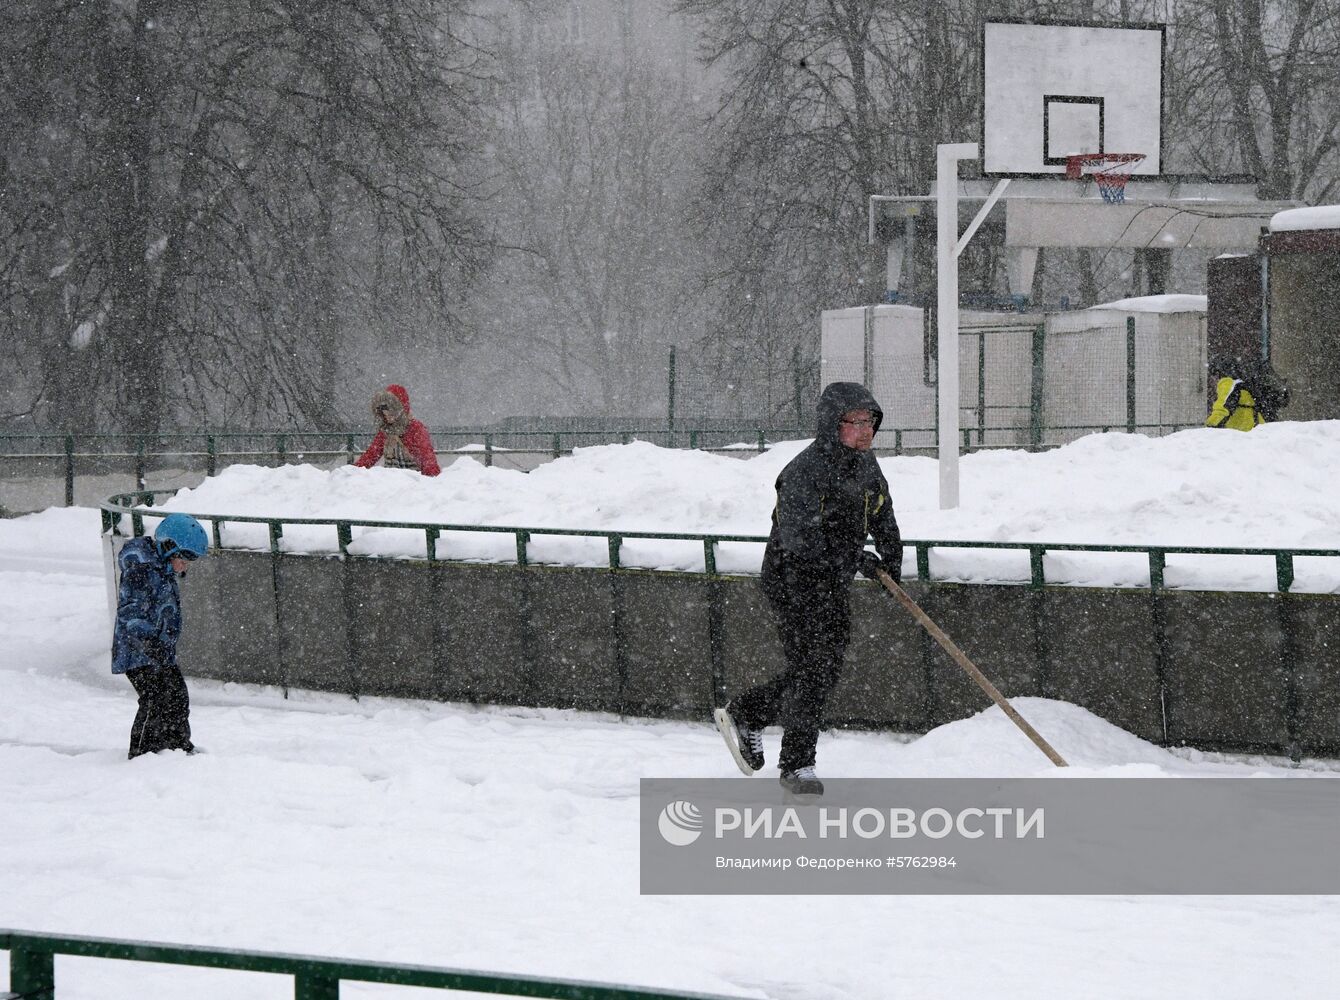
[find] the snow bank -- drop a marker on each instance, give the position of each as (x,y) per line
(1158,304)
(1313,217)
(1270,488)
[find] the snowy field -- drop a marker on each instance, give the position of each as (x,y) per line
(507,839)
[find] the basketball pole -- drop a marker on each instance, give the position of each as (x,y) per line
(948,246)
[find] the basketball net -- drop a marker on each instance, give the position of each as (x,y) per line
(1110,171)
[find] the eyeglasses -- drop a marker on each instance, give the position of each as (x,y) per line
(858,423)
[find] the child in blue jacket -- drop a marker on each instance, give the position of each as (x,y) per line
(148,623)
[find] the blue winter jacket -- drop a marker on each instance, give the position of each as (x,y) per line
(148,607)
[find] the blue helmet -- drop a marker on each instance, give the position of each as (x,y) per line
(181,535)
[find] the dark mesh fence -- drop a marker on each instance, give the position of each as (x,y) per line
(1024,381)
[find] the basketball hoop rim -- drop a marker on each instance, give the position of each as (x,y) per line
(1074,165)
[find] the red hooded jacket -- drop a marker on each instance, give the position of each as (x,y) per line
(404,440)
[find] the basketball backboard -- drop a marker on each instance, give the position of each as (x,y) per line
(1053,90)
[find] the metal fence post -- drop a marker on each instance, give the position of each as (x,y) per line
(868,349)
(981,389)
(1036,568)
(1284,576)
(924,563)
(670,398)
(139,463)
(32,974)
(211,455)
(619,639)
(716,639)
(1130,374)
(69,470)
(1158,563)
(1290,627)
(1036,388)
(310,987)
(276,529)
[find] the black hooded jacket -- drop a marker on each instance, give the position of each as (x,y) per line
(829,498)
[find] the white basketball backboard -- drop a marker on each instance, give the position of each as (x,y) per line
(1056,90)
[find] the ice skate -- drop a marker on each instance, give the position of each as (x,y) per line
(745,744)
(802,784)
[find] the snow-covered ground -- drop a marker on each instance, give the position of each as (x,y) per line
(507,839)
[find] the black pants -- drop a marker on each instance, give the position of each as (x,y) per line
(814,628)
(163,721)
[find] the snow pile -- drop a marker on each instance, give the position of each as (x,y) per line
(1158,304)
(1270,488)
(1311,217)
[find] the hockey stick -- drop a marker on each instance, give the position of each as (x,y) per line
(962,660)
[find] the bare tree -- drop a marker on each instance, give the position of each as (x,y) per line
(596,157)
(214,192)
(1257,88)
(829,102)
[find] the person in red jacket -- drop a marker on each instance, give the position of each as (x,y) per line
(401,441)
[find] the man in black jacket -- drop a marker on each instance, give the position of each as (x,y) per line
(830,497)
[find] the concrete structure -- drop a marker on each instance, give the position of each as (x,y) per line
(1235,671)
(1302,258)
(1282,300)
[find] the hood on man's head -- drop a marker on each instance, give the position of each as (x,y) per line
(839,398)
(398,391)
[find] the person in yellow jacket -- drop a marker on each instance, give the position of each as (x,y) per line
(1251,396)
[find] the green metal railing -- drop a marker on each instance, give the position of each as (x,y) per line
(139,505)
(32,971)
(286,445)
(1288,607)
(137,455)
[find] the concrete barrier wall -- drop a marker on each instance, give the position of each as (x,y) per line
(1233,671)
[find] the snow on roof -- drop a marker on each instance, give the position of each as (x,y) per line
(1158,304)
(1315,217)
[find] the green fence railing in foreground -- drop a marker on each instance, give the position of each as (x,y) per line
(139,505)
(32,971)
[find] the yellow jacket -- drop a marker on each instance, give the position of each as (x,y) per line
(1233,407)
